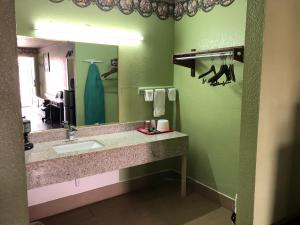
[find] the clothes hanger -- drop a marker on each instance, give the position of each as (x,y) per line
(214,80)
(112,70)
(212,69)
(231,69)
(223,70)
(228,71)
(228,74)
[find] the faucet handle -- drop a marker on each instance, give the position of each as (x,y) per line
(65,124)
(72,128)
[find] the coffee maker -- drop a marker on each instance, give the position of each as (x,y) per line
(26,131)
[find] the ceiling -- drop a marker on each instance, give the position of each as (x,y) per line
(28,42)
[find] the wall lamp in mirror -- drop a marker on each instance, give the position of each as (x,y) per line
(85,33)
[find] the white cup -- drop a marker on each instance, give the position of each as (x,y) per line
(163,125)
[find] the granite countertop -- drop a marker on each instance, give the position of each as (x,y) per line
(44,151)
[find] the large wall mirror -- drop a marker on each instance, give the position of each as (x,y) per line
(59,82)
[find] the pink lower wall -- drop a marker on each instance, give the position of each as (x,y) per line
(56,191)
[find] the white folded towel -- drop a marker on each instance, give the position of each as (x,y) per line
(159,102)
(149,95)
(172,94)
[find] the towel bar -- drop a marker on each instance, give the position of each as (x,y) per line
(141,90)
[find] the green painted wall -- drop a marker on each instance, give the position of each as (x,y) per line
(101,52)
(211,115)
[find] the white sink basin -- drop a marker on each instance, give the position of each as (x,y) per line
(77,147)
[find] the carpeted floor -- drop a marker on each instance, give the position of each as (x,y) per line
(155,206)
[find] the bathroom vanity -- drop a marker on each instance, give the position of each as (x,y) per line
(99,149)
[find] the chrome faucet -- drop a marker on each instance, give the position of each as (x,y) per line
(70,130)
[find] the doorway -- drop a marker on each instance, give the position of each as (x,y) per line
(27,80)
(31,106)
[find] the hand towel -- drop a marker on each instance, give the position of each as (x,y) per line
(159,102)
(149,95)
(172,94)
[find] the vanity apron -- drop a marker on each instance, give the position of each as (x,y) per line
(94,97)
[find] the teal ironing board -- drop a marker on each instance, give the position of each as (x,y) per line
(94,97)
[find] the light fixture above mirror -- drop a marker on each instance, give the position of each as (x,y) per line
(85,33)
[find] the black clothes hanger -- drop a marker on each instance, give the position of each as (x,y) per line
(228,74)
(212,69)
(231,69)
(223,69)
(227,70)
(113,70)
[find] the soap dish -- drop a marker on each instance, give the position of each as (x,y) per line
(147,132)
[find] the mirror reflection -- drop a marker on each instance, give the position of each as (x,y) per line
(67,83)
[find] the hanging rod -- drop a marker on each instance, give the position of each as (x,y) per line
(187,59)
(221,54)
(91,61)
